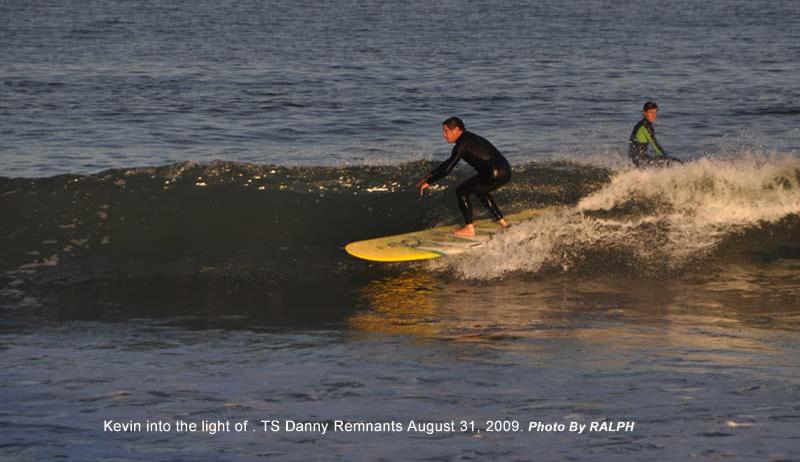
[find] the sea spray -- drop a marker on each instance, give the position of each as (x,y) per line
(645,221)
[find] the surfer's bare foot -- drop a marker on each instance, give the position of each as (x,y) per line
(503,223)
(466,231)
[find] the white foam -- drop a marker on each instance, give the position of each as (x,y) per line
(654,217)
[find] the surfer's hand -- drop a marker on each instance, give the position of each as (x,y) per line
(422,185)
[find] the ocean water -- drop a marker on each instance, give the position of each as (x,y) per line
(113,84)
(178,181)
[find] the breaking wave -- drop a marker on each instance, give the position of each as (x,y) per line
(189,238)
(655,221)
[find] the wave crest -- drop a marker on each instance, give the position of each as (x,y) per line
(646,221)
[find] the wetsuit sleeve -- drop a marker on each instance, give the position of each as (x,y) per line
(445,167)
(635,134)
(644,135)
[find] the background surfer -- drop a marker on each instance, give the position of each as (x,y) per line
(493,172)
(644,135)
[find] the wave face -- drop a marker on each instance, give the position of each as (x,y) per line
(188,237)
(657,221)
(201,238)
(195,212)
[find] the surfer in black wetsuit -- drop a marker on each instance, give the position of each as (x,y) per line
(644,135)
(493,172)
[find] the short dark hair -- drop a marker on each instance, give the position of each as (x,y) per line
(650,105)
(454,122)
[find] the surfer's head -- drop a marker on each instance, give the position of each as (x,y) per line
(650,111)
(452,128)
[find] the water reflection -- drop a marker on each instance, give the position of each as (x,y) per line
(404,304)
(728,318)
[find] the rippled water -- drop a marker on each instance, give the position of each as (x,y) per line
(706,369)
(121,84)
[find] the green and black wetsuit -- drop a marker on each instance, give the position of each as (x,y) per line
(493,171)
(644,134)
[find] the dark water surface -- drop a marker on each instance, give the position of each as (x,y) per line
(178,181)
(707,369)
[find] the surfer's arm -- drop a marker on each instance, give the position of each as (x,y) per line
(650,138)
(658,147)
(445,167)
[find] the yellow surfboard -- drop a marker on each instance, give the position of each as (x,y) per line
(431,243)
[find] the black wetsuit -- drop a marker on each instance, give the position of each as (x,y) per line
(642,136)
(493,171)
